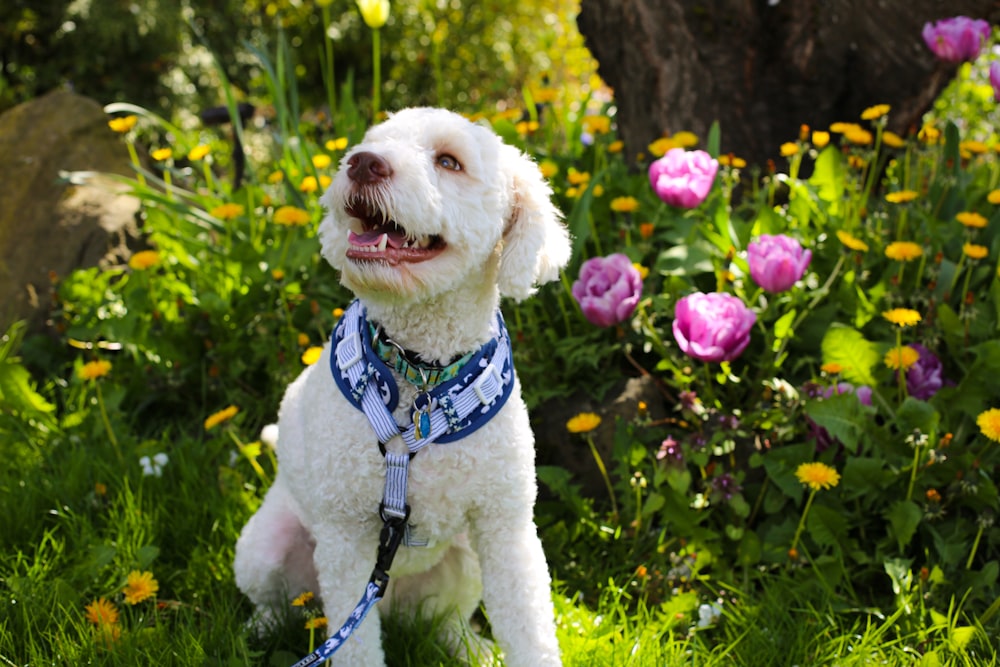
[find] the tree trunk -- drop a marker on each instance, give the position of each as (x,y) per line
(762,68)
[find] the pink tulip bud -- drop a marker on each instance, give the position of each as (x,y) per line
(956,39)
(608,289)
(683,178)
(712,327)
(777,262)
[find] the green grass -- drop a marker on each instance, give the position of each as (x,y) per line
(64,544)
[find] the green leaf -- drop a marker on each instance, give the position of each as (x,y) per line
(853,352)
(783,327)
(16,390)
(904,517)
(829,178)
(827,526)
(915,414)
(864,476)
(842,415)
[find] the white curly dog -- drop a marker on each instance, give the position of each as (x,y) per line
(430,219)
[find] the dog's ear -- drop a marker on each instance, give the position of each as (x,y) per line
(535,242)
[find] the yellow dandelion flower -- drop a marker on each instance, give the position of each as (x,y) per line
(198,152)
(598,190)
(301,600)
(971,219)
(903,251)
(338,312)
(123,124)
(161,154)
(993,197)
(731,160)
(583,423)
(526,127)
(139,586)
(616,146)
(875,112)
(788,149)
(278,274)
(903,317)
(227,211)
(832,368)
(820,138)
(973,146)
(544,95)
(221,416)
(316,623)
(842,128)
(303,339)
(893,140)
(989,424)
(660,147)
(548,169)
(851,241)
(101,613)
(929,134)
(577,177)
(94,369)
(275,177)
(338,144)
(596,124)
(312,355)
(144,259)
(856,162)
(291,216)
(625,204)
(901,358)
(817,476)
(685,139)
(859,136)
(100,489)
(573,193)
(901,197)
(309,184)
(975,251)
(322,161)
(643,270)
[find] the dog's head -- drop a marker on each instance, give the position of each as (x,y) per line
(429,203)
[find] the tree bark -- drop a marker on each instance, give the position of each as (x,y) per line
(762,68)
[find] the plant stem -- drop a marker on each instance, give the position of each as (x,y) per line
(975,547)
(377,74)
(913,471)
(802,520)
(604,475)
(107,422)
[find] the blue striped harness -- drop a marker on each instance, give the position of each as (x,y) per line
(452,403)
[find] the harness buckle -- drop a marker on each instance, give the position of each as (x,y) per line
(490,372)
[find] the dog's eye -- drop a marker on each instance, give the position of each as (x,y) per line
(449,162)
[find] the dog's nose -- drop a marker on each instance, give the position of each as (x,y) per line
(366,167)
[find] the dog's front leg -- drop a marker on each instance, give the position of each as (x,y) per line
(344,562)
(517,588)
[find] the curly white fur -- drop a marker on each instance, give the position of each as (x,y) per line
(482,214)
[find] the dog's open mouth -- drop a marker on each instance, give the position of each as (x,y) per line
(382,239)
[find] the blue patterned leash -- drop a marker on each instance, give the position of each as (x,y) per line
(393,529)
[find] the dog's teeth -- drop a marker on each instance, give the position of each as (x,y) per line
(383,242)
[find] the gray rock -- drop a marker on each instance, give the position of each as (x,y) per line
(49,226)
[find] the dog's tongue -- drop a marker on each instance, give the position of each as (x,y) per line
(395,237)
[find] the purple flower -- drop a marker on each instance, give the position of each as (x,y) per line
(956,39)
(712,327)
(670,450)
(924,378)
(725,486)
(995,79)
(608,289)
(683,178)
(777,262)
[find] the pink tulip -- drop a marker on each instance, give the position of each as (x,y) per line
(608,289)
(956,39)
(683,178)
(777,262)
(712,327)
(995,79)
